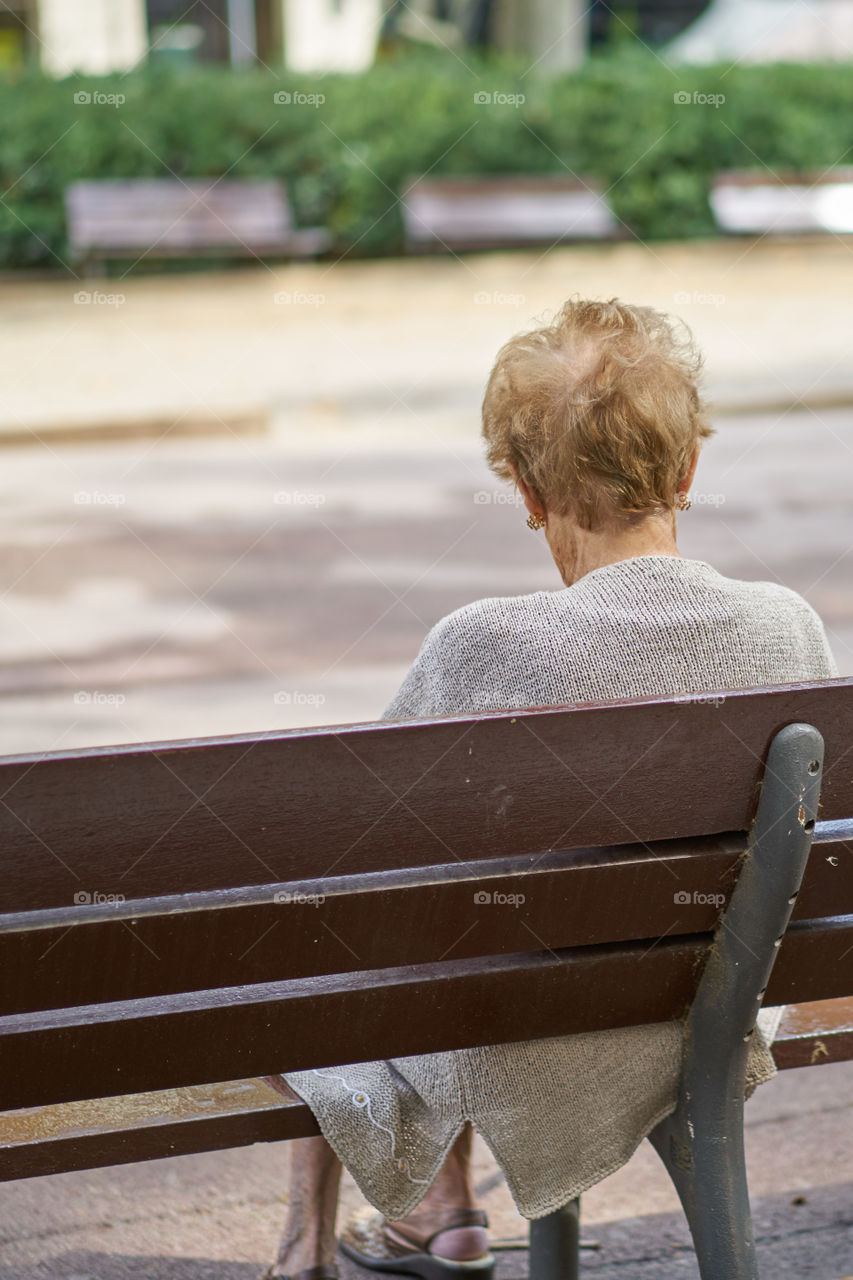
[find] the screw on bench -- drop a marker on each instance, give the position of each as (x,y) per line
(701,1143)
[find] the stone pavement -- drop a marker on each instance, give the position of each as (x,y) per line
(197,602)
(367,344)
(217,1216)
(279,564)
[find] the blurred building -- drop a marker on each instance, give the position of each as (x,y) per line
(747,31)
(98,36)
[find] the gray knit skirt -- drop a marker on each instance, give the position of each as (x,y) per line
(558,1115)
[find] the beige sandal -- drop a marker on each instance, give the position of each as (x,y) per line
(366,1240)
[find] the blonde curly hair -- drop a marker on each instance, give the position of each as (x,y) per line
(600,411)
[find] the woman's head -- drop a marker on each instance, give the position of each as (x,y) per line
(599,413)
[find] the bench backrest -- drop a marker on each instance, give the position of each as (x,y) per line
(511,875)
(170,216)
(758,201)
(473,213)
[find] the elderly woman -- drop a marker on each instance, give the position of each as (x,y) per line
(598,420)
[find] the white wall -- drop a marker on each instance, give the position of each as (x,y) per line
(93,36)
(322,36)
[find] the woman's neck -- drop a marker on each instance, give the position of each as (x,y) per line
(578,551)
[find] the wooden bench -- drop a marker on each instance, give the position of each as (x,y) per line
(495,213)
(761,202)
(603,816)
(168,217)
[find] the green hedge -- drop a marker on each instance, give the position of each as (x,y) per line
(345,159)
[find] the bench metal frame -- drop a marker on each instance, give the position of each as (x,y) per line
(702,1142)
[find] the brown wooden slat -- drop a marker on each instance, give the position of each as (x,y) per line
(784,177)
(111,1131)
(580,898)
(153,1142)
(827,1040)
(111,214)
(180,1040)
(250,810)
(810,1034)
(815,962)
(174,1041)
(815,1033)
(575,899)
(827,888)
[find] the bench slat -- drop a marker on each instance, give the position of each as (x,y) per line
(149,1126)
(815,1033)
(573,899)
(109,1131)
(169,217)
(248,810)
(174,1041)
(473,213)
(758,201)
(579,898)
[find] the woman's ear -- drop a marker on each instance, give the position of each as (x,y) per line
(687,480)
(534,506)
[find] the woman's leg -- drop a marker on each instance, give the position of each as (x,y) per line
(309,1229)
(315,1173)
(453,1189)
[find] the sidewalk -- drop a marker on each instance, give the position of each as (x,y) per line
(218,1216)
(302,349)
(174,590)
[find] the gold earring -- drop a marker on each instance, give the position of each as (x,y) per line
(535,522)
(683,503)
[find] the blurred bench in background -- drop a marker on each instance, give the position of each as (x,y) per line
(758,201)
(167,217)
(496,213)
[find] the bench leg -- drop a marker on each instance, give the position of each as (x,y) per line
(555,1244)
(701,1143)
(714,1194)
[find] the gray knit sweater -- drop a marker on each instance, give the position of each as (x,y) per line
(563,1113)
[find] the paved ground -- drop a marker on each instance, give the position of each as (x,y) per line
(254,580)
(217,1216)
(399,343)
(193,602)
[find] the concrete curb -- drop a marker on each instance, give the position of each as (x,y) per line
(256,420)
(252,421)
